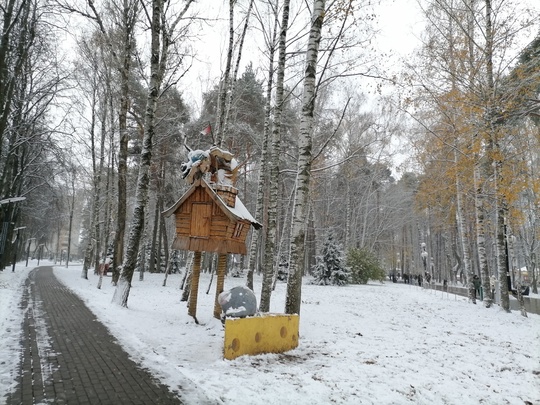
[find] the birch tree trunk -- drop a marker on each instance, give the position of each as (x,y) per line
(257,236)
(161,33)
(71,209)
(502,258)
(479,198)
(481,237)
(296,255)
(224,85)
(129,16)
(271,230)
(94,225)
(157,63)
(348,217)
(232,80)
(463,236)
(186,282)
(99,192)
(153,242)
(500,206)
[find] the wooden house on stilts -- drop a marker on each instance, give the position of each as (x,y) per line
(210,217)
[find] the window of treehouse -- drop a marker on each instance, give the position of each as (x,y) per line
(200,220)
(238,230)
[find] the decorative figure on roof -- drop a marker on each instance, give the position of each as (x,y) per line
(220,163)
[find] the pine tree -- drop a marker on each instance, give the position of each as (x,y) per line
(329,268)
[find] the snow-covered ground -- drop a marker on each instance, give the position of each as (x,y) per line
(374,344)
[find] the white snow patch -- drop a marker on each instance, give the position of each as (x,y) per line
(373,344)
(11,316)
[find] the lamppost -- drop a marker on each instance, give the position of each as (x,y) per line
(28,249)
(398,265)
(424,256)
(40,248)
(16,246)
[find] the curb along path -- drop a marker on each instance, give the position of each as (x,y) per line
(68,357)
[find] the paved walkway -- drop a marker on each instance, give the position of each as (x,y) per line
(68,357)
(532,305)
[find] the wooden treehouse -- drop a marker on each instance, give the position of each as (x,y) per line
(210,217)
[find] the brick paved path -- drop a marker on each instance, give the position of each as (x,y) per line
(68,357)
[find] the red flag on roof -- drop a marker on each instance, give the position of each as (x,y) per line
(207,130)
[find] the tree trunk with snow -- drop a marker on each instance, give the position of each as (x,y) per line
(87,259)
(502,264)
(186,282)
(157,64)
(296,258)
(153,242)
(161,33)
(98,188)
(224,84)
(128,18)
(481,237)
(500,205)
(232,79)
(269,249)
(70,223)
(463,237)
(93,241)
(126,27)
(262,184)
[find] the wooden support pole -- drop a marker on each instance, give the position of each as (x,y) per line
(220,283)
(192,310)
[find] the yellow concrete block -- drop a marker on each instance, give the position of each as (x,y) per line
(270,333)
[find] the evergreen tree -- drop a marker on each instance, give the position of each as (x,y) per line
(329,268)
(364,266)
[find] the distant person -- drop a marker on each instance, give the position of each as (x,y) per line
(476,284)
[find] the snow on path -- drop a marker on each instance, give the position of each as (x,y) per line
(374,344)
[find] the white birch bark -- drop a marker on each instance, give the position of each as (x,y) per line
(262,184)
(298,230)
(94,222)
(271,230)
(481,237)
(160,41)
(232,80)
(141,196)
(500,244)
(463,237)
(224,85)
(500,206)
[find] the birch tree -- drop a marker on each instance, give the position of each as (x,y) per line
(30,80)
(470,97)
(163,36)
(263,178)
(120,39)
(269,251)
(296,256)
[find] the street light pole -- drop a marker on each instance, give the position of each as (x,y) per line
(16,247)
(424,256)
(40,247)
(28,249)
